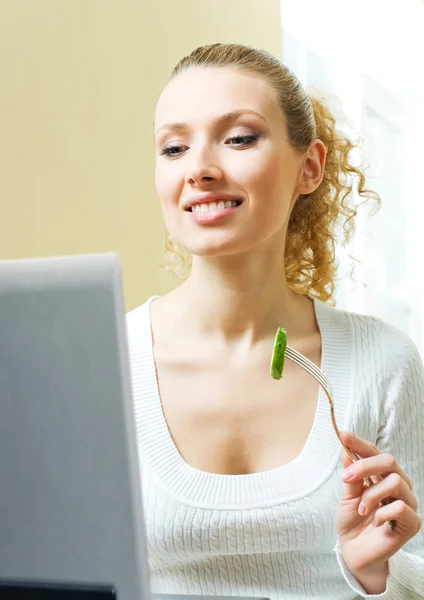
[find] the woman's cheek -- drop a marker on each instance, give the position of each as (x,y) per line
(166,188)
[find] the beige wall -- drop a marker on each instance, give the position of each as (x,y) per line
(79,79)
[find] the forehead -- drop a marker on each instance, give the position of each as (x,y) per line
(202,93)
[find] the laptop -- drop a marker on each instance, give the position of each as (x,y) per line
(71,519)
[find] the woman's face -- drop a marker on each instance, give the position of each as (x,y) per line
(226,174)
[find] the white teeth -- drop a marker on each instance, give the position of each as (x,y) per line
(213,206)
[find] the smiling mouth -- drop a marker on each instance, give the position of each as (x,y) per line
(214,206)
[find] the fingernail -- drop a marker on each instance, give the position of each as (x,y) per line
(362,509)
(348,474)
(348,435)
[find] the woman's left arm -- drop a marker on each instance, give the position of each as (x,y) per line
(375,560)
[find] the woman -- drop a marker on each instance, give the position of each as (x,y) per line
(241,474)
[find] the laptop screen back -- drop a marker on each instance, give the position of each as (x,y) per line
(70,498)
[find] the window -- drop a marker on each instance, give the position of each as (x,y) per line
(380,88)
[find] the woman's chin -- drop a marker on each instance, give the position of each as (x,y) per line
(212,248)
(217,252)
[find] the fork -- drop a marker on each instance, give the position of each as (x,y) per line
(308,366)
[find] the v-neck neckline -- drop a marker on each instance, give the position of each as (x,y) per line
(291,481)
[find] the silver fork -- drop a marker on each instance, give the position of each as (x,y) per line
(308,366)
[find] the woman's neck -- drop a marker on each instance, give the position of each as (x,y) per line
(239,301)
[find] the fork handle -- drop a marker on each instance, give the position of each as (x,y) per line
(354,457)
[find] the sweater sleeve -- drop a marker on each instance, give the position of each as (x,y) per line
(401,433)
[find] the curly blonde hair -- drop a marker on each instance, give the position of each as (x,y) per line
(316,218)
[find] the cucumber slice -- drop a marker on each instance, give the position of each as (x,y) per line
(278,354)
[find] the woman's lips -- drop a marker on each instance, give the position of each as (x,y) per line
(212,214)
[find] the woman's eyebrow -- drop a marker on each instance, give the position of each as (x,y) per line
(228,117)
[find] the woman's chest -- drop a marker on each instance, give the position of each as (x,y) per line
(178,533)
(237,421)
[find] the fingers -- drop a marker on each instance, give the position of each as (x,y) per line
(382,465)
(358,445)
(373,462)
(392,486)
(407,520)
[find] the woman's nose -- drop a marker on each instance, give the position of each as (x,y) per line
(203,169)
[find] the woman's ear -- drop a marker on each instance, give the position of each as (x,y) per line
(312,170)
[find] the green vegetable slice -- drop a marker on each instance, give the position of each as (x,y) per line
(278,353)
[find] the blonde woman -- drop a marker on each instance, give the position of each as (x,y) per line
(242,475)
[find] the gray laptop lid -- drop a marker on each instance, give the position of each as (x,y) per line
(70,499)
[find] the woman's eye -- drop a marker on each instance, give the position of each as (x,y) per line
(171,150)
(236,140)
(243,140)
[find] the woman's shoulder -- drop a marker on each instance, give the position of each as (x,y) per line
(377,340)
(138,323)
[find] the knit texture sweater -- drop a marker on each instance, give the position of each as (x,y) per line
(272,534)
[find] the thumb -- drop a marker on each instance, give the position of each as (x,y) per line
(353,488)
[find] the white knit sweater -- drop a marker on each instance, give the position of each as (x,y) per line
(272,534)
